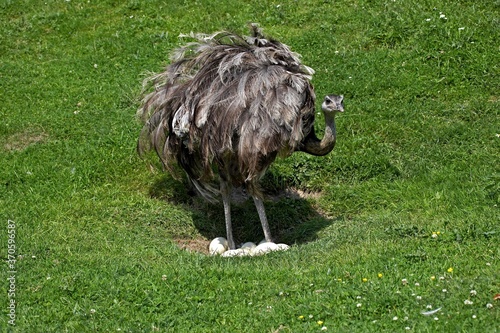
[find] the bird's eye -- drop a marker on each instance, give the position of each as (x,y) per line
(328,101)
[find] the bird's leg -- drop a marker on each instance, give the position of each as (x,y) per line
(263,219)
(225,191)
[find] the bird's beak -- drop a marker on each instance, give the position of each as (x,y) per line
(341,109)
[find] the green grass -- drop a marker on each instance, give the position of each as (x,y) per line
(417,153)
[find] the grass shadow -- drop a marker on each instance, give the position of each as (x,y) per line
(293,219)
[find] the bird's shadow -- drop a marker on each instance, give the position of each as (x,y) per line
(291,214)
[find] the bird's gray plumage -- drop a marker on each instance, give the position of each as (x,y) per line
(226,107)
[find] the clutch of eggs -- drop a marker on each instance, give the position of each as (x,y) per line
(219,246)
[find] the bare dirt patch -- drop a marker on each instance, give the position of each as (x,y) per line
(22,140)
(199,245)
(293,193)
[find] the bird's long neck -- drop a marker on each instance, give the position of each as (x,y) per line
(314,146)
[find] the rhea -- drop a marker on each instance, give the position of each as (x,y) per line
(226,107)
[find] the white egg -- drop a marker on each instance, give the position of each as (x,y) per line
(217,249)
(248,246)
(283,247)
(264,248)
(218,245)
(234,253)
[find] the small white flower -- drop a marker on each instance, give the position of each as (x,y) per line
(417,284)
(473,293)
(436,318)
(92,311)
(337,52)
(461,28)
(428,20)
(474,316)
(395,318)
(429,306)
(95,65)
(419,298)
(445,291)
(404,281)
(358,297)
(311,316)
(407,328)
(489,306)
(358,305)
(441,278)
(488,264)
(324,328)
(468,302)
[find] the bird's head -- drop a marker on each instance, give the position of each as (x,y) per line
(333,103)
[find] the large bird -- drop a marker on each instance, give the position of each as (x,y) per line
(226,107)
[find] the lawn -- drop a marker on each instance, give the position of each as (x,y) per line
(396,230)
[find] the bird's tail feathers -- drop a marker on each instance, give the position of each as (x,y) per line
(206,190)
